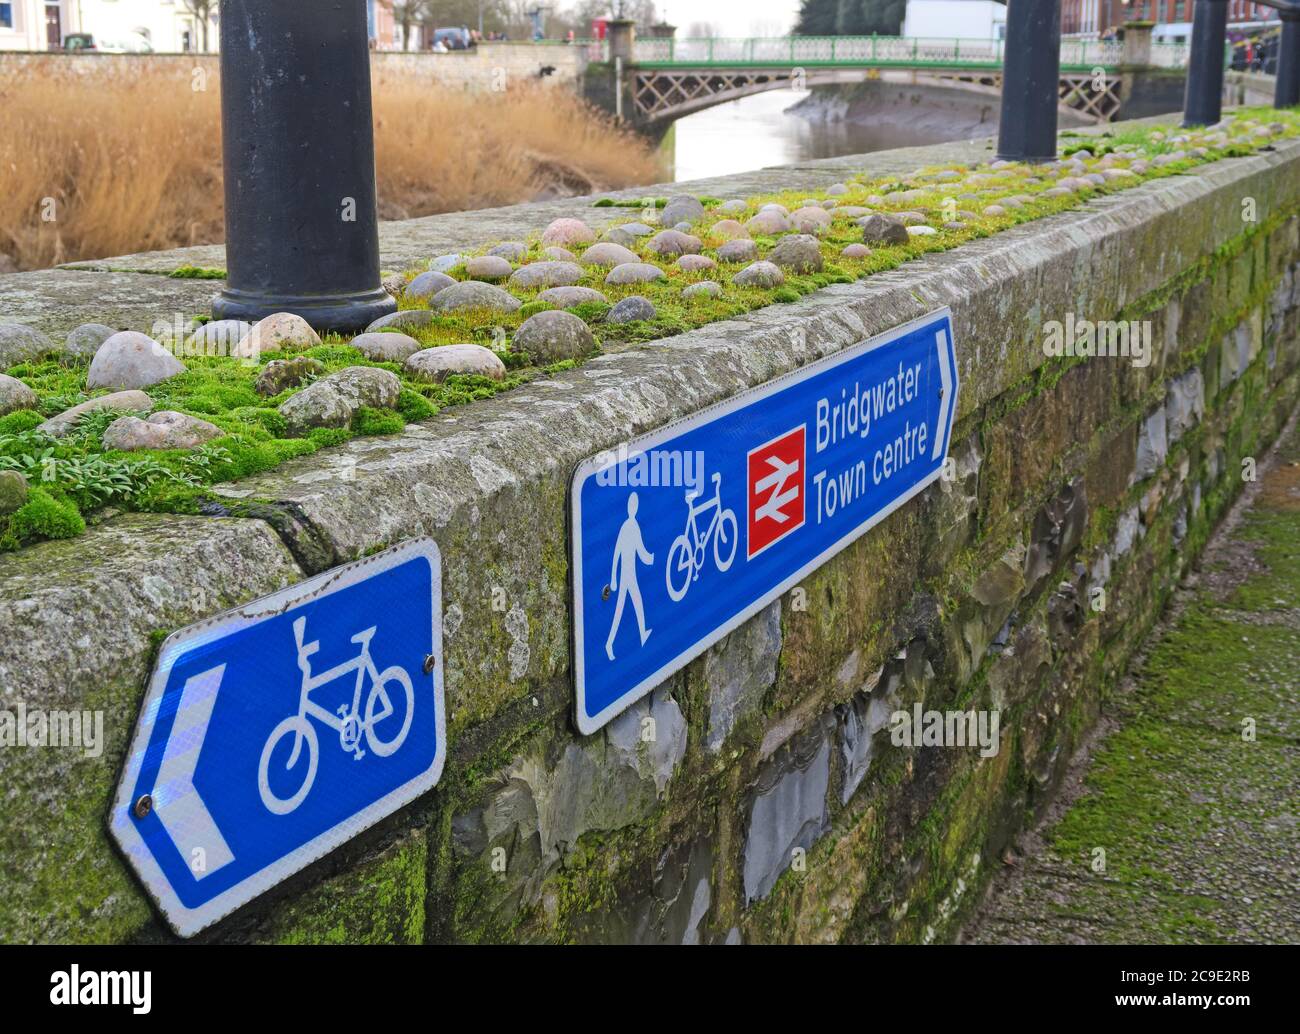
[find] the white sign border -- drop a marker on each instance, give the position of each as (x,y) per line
(591,466)
(185,921)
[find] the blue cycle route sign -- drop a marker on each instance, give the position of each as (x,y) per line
(273,733)
(681,535)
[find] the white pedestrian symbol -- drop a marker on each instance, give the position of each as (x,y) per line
(628,549)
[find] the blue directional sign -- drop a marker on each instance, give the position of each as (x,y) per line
(681,535)
(275,732)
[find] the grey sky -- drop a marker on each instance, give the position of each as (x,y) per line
(732,17)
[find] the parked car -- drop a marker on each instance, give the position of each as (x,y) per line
(131,43)
(78,41)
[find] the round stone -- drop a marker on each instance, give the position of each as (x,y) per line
(511,251)
(674,242)
(760,274)
(632,309)
(129,360)
(277,332)
(728,230)
(122,401)
(85,340)
(406,319)
(13,491)
(554,335)
(488,268)
(704,289)
(19,342)
(850,212)
(282,374)
(557,254)
(856,251)
(683,208)
(734,207)
(810,220)
(547,274)
(743,250)
(634,273)
(437,364)
(922,231)
(443,263)
(165,430)
(837,189)
(608,254)
(15,395)
(218,338)
(994,210)
(474,294)
(386,346)
(695,263)
(568,232)
(426,285)
(568,297)
(773,206)
(799,253)
(394,283)
(882,229)
(628,234)
(768,222)
(333,401)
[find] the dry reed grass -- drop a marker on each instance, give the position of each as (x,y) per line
(92,167)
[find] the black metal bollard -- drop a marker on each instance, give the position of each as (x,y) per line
(1203,103)
(298,138)
(1031,76)
(1286,93)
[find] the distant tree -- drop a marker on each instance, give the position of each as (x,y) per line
(817,18)
(702,30)
(202,11)
(865,17)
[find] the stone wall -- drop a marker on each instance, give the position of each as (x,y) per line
(770,804)
(489,66)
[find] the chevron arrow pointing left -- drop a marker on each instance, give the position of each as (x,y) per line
(176,800)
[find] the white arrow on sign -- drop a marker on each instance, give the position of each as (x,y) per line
(945,401)
(176,800)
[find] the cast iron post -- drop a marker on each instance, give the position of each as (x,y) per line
(301,221)
(1031,75)
(1203,105)
(1287,91)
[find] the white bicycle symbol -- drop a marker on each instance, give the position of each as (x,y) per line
(348,722)
(686,555)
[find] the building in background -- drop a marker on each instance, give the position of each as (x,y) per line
(1172,18)
(133,26)
(36,24)
(385,33)
(955,19)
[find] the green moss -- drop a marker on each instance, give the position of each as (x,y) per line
(368,421)
(19,421)
(197,273)
(47,514)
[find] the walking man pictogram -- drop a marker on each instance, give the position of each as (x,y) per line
(628,549)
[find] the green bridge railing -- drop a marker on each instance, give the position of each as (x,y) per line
(881,51)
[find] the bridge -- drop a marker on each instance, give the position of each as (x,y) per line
(664,79)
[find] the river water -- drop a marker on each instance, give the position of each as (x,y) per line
(757,131)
